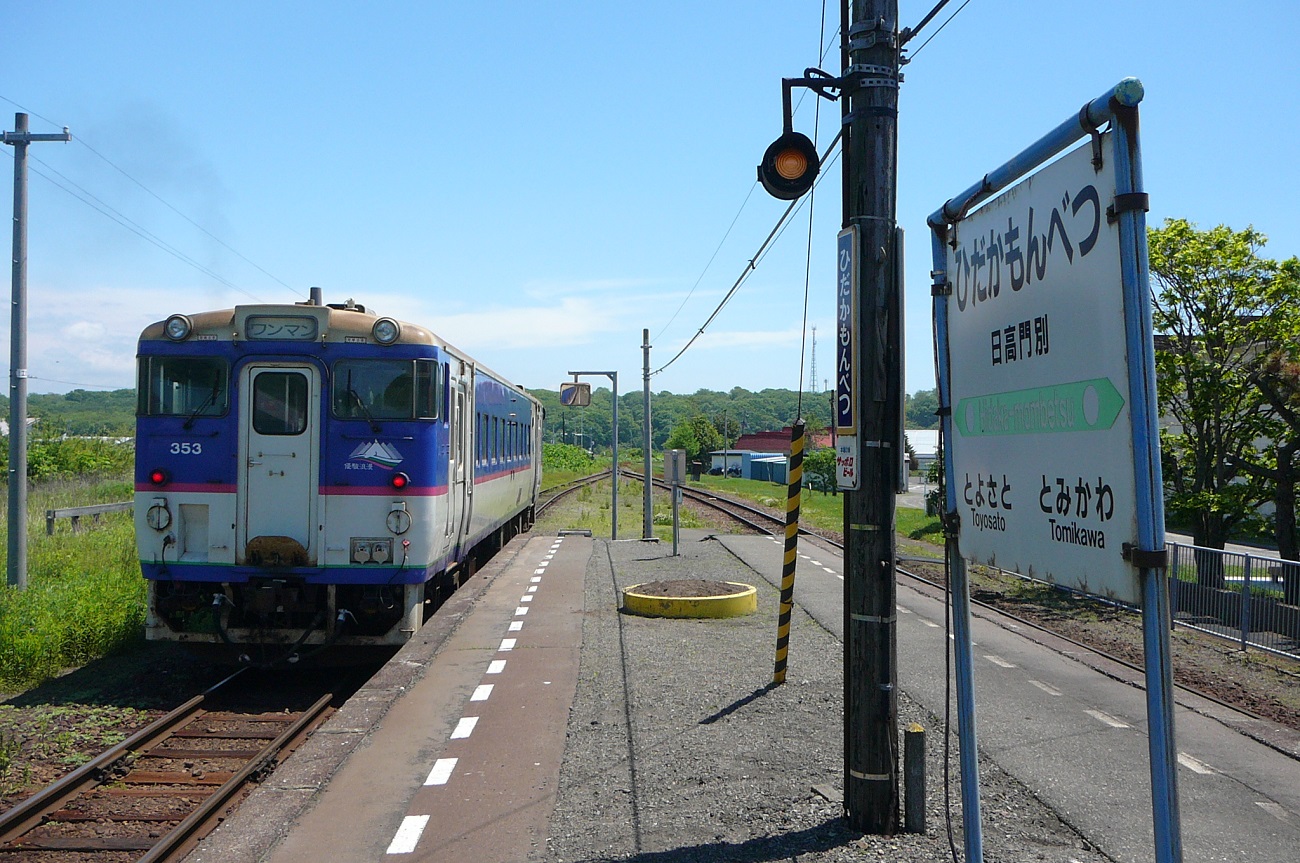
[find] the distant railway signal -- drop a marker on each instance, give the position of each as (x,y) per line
(789,166)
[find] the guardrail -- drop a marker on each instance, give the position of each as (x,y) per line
(76,512)
(1248,598)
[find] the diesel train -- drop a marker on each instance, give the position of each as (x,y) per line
(311,475)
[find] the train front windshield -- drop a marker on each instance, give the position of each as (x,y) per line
(183,386)
(386,389)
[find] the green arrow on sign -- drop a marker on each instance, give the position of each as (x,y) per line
(1091,405)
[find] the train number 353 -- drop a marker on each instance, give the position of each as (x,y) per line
(179,448)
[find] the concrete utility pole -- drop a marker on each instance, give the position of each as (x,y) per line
(648,527)
(19,139)
(870,112)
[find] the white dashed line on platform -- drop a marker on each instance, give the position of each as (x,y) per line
(930,623)
(1195,766)
(527,597)
(516,625)
(408,835)
(441,771)
(831,571)
(496,666)
(535,579)
(997,660)
(539,572)
(1107,718)
(464,728)
(532,589)
(481,692)
(508,644)
(521,611)
(903,610)
(1050,690)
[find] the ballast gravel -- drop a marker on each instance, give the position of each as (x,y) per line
(678,750)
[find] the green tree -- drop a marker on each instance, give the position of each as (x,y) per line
(1279,464)
(1220,309)
(819,469)
(697,435)
(919,409)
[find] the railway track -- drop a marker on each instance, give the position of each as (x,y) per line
(155,794)
(557,493)
(763,521)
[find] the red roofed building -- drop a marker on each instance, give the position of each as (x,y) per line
(779,441)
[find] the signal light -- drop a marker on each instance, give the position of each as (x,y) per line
(789,166)
(399,481)
(158,476)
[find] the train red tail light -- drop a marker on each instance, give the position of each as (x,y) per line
(159,477)
(399,481)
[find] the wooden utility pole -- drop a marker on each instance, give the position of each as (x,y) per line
(870,105)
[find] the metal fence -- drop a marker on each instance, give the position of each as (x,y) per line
(1248,598)
(75,513)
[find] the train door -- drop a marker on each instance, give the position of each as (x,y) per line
(279,443)
(461,482)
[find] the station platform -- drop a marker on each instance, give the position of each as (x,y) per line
(530,720)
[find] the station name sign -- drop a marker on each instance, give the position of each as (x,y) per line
(1042,440)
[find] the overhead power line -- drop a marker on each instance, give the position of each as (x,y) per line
(110,212)
(166,204)
(114,215)
(941,26)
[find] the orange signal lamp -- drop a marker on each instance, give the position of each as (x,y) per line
(789,166)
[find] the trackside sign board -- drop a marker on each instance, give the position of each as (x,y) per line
(1042,440)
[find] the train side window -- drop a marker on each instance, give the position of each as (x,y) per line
(280,403)
(183,386)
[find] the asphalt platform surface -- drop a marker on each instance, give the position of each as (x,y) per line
(654,740)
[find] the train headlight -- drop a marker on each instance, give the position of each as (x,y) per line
(386,331)
(399,521)
(158,516)
(178,328)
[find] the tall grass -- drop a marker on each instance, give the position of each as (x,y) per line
(84,598)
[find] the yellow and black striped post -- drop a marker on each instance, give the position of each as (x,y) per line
(791,550)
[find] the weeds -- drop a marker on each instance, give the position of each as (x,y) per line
(84,598)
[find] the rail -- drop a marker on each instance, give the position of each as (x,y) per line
(33,826)
(76,512)
(1206,585)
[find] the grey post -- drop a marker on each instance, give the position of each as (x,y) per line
(19,139)
(613,376)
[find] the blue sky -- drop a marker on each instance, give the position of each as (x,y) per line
(540,182)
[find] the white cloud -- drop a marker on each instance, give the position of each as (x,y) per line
(568,321)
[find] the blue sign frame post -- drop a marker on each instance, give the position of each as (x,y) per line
(1136,551)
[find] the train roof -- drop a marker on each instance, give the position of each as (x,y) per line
(348,323)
